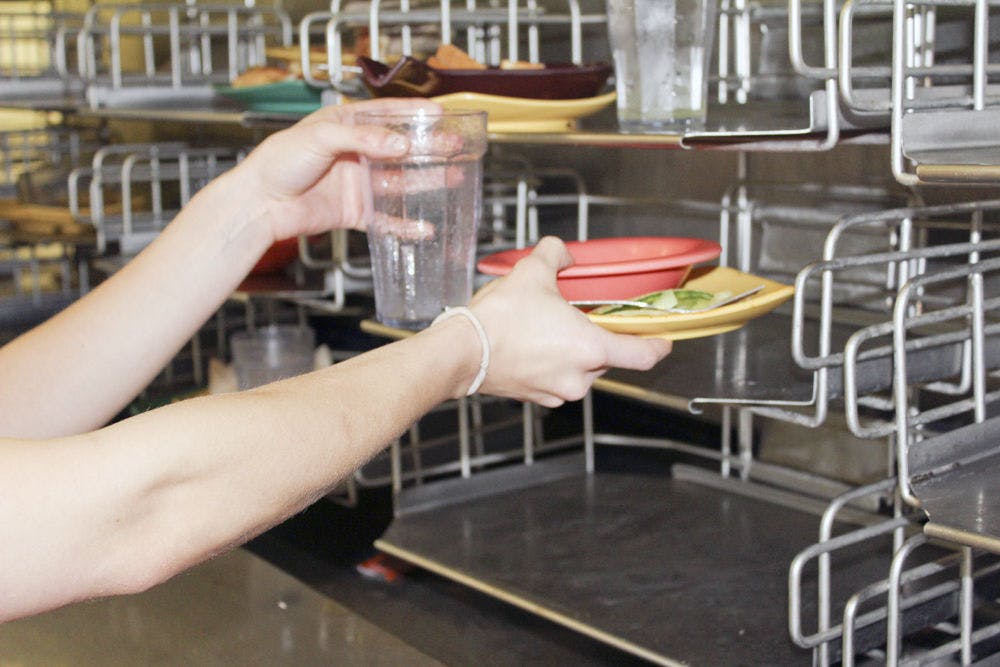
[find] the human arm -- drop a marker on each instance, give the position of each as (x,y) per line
(157,493)
(76,371)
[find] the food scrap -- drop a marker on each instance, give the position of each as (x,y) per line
(669,301)
(452,57)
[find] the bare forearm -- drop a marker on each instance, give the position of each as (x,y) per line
(160,492)
(74,372)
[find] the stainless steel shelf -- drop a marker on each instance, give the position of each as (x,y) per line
(751,364)
(759,127)
(754,366)
(668,569)
(215,116)
(956,476)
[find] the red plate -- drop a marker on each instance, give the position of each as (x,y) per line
(618,268)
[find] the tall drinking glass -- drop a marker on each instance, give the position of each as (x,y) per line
(662,54)
(425,210)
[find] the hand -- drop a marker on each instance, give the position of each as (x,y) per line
(310,175)
(544,350)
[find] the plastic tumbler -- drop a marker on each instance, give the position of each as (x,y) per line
(662,53)
(424,214)
(271,353)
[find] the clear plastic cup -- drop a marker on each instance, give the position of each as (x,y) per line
(662,52)
(271,353)
(425,210)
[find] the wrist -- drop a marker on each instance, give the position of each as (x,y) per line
(233,202)
(472,342)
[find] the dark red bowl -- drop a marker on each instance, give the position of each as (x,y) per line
(618,268)
(410,77)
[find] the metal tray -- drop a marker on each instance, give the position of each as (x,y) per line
(668,569)
(753,366)
(956,476)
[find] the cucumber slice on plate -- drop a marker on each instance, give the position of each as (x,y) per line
(677,300)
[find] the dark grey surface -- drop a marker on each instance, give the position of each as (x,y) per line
(956,476)
(689,573)
(750,363)
(755,364)
(963,505)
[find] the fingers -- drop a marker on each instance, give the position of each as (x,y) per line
(330,123)
(328,140)
(627,351)
(344,113)
(402,229)
(393,179)
(331,131)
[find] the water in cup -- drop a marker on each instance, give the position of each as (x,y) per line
(662,53)
(423,240)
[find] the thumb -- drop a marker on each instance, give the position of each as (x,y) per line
(552,251)
(628,351)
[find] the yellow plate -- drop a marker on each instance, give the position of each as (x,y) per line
(679,326)
(294,54)
(520,114)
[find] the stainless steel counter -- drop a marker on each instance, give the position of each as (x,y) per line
(235,610)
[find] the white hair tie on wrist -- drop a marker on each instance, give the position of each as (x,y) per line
(484,362)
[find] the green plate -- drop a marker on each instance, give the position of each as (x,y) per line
(294,96)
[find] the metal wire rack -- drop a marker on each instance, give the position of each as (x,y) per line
(757,93)
(920,378)
(135,189)
(36,281)
(155,53)
(32,158)
(37,50)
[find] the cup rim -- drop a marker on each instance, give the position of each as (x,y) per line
(421,113)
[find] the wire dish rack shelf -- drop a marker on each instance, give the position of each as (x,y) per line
(38,50)
(802,77)
(799,77)
(756,94)
(133,190)
(36,281)
(36,158)
(919,377)
(156,53)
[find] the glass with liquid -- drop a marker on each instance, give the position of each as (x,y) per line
(662,54)
(425,210)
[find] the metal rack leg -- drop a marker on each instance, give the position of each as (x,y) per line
(966,602)
(477,425)
(396,466)
(893,625)
(528,416)
(463,436)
